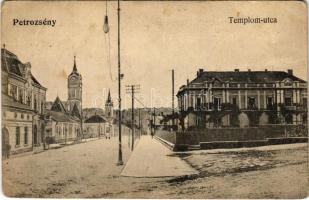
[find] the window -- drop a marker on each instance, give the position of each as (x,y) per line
(22,115)
(26,136)
(198,103)
(251,103)
(289,119)
(304,102)
(234,101)
(28,116)
(21,95)
(13,91)
(17,139)
(217,103)
(35,104)
(42,107)
(70,130)
(269,101)
(288,101)
(15,114)
(29,101)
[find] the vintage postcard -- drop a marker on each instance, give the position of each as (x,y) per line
(154,99)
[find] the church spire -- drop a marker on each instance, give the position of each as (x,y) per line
(74,67)
(109,99)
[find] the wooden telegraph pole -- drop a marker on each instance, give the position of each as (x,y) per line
(173,95)
(132,89)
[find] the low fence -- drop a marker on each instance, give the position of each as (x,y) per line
(233,134)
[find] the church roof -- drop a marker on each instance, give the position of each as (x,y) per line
(60,116)
(75,112)
(95,119)
(109,98)
(58,106)
(74,71)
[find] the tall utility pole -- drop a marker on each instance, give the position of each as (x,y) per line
(132,89)
(139,122)
(120,162)
(154,120)
(120,76)
(173,94)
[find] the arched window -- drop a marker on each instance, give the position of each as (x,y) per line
(35,104)
(17,136)
(26,135)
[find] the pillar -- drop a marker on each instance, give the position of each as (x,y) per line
(239,99)
(246,99)
(264,98)
(259,103)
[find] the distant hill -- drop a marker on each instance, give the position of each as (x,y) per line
(145,114)
(88,112)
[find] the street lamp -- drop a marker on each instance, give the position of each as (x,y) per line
(106,26)
(120,76)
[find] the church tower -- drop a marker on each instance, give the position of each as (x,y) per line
(74,92)
(109,106)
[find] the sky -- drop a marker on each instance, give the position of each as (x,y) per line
(156,37)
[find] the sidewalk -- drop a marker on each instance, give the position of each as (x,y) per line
(151,159)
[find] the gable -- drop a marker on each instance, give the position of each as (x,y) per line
(58,106)
(287,82)
(75,112)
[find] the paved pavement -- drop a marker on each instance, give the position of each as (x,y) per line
(152,159)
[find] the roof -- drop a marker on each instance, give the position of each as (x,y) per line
(60,116)
(10,102)
(245,76)
(75,112)
(109,98)
(35,80)
(58,106)
(95,119)
(10,63)
(74,71)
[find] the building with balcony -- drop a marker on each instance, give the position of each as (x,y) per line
(23,103)
(242,99)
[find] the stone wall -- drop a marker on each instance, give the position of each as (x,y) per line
(240,134)
(166,135)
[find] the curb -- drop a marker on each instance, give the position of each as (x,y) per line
(166,143)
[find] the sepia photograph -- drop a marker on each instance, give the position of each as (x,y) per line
(121,99)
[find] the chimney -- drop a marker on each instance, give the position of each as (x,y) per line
(187,81)
(290,71)
(199,72)
(236,70)
(249,70)
(266,70)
